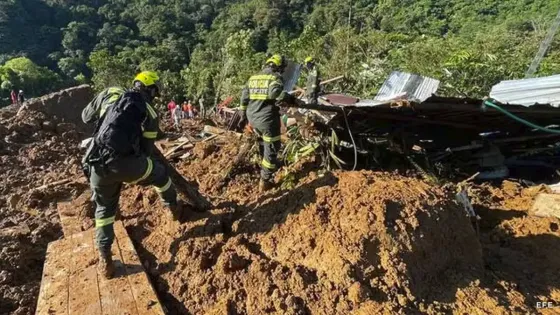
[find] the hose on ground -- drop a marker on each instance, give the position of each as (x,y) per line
(519,119)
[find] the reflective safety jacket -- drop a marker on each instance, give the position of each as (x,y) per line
(260,96)
(97,107)
(129,127)
(312,87)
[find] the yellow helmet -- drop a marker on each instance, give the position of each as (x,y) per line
(147,78)
(277,60)
(309,59)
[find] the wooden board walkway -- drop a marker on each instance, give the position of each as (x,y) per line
(72,285)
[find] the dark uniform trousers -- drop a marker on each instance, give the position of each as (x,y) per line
(269,146)
(106,185)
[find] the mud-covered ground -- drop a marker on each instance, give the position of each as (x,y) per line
(35,150)
(346,243)
(336,243)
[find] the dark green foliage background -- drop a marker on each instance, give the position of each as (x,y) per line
(210,47)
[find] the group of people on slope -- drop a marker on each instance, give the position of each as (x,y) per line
(179,112)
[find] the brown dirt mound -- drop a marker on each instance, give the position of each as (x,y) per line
(34,150)
(334,244)
(519,250)
(344,243)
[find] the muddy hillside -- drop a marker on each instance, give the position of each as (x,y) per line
(38,147)
(329,243)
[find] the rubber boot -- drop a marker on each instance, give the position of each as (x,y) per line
(106,267)
(265,186)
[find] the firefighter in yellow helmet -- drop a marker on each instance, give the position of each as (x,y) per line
(259,105)
(123,142)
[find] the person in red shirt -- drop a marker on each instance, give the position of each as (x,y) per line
(14,97)
(171,106)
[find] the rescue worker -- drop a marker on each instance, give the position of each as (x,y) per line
(313,87)
(261,95)
(98,106)
(120,153)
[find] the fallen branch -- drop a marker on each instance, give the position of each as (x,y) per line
(298,89)
(245,149)
(210,138)
(54,184)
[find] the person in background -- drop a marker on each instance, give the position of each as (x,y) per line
(201,106)
(185,109)
(313,87)
(21,97)
(177,115)
(13,96)
(190,110)
(171,106)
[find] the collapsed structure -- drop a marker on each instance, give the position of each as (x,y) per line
(359,242)
(445,137)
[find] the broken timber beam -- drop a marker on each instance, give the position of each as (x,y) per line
(194,197)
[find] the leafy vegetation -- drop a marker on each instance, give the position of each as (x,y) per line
(209,47)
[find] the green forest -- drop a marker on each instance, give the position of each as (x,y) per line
(210,47)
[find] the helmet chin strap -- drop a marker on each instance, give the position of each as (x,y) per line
(149,93)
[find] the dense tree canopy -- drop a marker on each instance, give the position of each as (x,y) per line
(210,47)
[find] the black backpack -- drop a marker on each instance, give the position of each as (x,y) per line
(120,131)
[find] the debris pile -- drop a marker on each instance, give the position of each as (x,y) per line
(342,242)
(345,242)
(36,152)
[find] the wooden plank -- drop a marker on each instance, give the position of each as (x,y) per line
(547,205)
(146,300)
(69,218)
(178,147)
(53,296)
(116,293)
(72,284)
(84,291)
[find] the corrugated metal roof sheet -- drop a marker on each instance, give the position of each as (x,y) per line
(291,75)
(527,92)
(402,85)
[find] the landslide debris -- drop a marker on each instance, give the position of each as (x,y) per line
(36,148)
(337,243)
(342,243)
